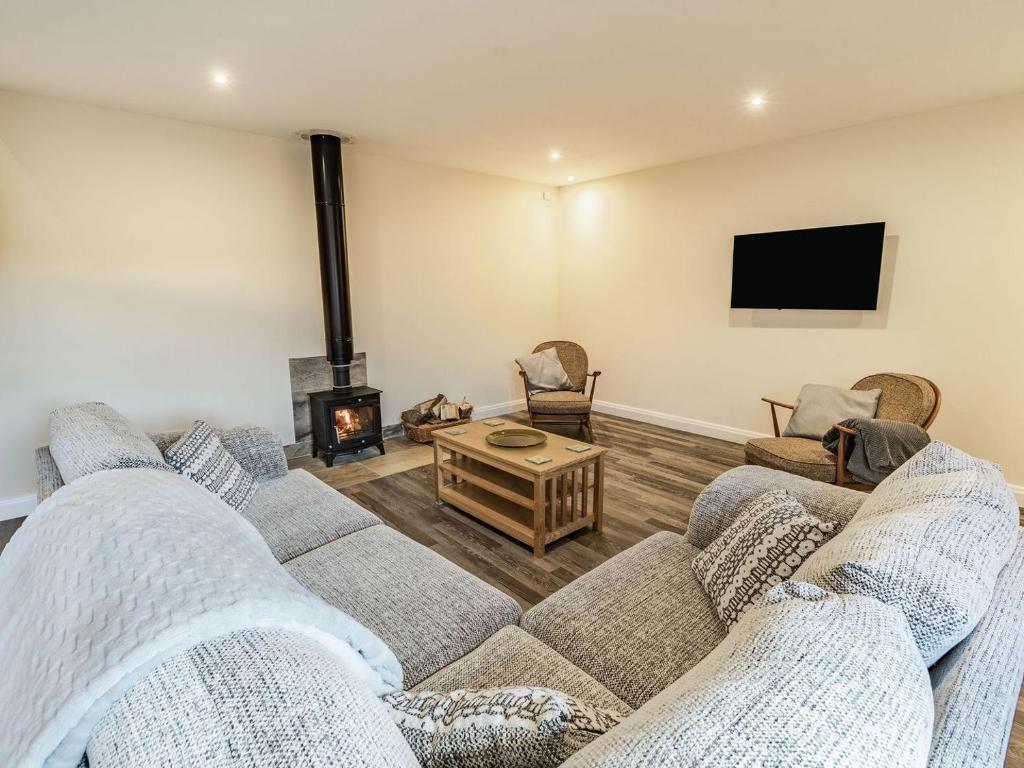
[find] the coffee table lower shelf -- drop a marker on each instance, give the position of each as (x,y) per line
(534,507)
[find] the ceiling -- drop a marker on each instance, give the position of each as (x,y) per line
(495,86)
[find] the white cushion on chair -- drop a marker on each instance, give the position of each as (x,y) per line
(544,371)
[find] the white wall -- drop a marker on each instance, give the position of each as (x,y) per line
(646,269)
(171,270)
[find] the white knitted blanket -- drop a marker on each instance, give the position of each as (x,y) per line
(117,572)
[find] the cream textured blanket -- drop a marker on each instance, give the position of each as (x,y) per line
(117,572)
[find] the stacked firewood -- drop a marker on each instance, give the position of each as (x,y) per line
(437,410)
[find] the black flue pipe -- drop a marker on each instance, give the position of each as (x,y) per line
(329,196)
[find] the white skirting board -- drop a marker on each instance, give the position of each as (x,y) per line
(498,409)
(708,429)
(683,424)
(19,506)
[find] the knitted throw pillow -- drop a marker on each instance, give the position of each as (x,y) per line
(769,540)
(200,456)
(496,727)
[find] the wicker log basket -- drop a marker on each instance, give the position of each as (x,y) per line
(422,420)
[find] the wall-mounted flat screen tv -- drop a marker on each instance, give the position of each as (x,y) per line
(822,268)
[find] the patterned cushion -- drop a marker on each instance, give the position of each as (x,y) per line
(496,727)
(805,679)
(90,437)
(931,540)
(559,402)
(201,457)
(769,540)
(798,455)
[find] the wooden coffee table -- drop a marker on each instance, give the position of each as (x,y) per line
(534,503)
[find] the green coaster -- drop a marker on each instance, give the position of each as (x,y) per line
(539,459)
(455,431)
(578,448)
(493,422)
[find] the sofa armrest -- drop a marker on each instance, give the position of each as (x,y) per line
(48,477)
(719,504)
(257,449)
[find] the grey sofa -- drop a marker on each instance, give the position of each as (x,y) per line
(616,637)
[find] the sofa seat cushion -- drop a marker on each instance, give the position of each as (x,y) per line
(297,513)
(931,540)
(805,679)
(512,657)
(636,623)
(798,455)
(559,402)
(427,609)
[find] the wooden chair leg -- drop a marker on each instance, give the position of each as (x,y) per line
(590,430)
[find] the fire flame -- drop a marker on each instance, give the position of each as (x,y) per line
(347,423)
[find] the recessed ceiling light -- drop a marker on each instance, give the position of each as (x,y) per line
(756,101)
(221,79)
(555,154)
(571,178)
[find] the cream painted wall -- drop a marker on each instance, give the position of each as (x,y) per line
(645,263)
(170,269)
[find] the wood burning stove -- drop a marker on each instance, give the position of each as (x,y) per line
(346,418)
(345,421)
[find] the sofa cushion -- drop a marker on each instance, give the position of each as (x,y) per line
(90,437)
(298,513)
(720,503)
(805,679)
(512,657)
(496,727)
(427,609)
(931,540)
(200,456)
(256,697)
(636,622)
(819,407)
(772,536)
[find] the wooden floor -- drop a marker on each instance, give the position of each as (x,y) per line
(653,476)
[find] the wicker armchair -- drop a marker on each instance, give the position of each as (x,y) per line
(905,397)
(567,406)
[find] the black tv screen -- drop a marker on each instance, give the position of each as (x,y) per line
(823,268)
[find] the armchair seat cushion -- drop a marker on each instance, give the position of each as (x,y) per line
(798,455)
(559,402)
